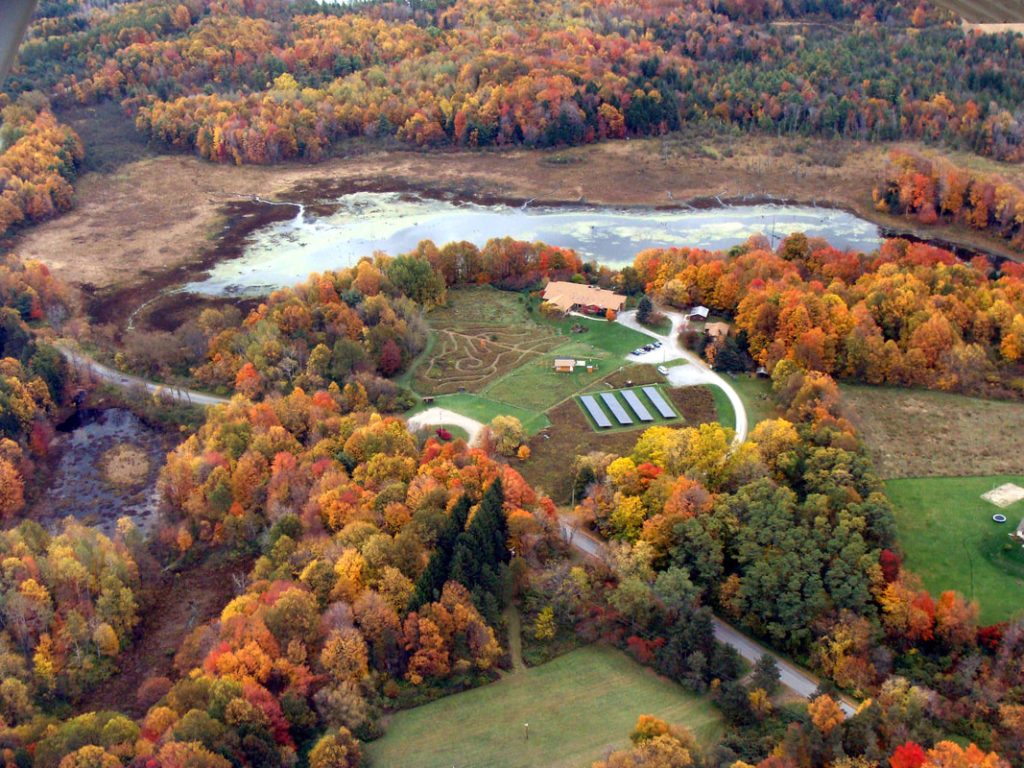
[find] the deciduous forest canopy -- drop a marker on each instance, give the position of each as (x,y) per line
(377,567)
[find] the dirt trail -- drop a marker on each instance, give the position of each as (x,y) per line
(178,604)
(515,638)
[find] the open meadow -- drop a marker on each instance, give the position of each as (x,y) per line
(578,706)
(950,540)
(916,433)
(986,11)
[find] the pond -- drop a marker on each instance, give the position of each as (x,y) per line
(107,468)
(286,252)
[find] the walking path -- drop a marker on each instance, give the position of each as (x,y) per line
(515,638)
(698,372)
(793,677)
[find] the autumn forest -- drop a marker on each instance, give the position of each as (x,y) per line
(299,550)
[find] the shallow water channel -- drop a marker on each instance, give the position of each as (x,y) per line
(286,252)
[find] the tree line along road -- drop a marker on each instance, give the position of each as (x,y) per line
(793,677)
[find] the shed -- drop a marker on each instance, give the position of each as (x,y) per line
(565,364)
(698,313)
(1019,533)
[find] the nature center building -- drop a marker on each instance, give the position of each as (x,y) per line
(576,297)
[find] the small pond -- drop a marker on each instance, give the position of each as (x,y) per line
(107,468)
(286,252)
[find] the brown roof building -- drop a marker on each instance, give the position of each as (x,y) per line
(574,296)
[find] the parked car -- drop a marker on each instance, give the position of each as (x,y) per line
(637,352)
(656,344)
(663,370)
(648,347)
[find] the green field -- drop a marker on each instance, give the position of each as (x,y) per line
(578,707)
(457,432)
(950,540)
(617,340)
(756,394)
(723,407)
(535,385)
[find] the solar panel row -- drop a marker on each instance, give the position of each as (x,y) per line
(659,403)
(595,411)
(638,407)
(616,408)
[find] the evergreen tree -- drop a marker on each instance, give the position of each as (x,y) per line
(431,581)
(643,310)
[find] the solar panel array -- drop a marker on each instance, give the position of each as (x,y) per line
(638,407)
(616,408)
(595,411)
(659,403)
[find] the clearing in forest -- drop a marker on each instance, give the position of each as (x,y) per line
(917,433)
(481,335)
(986,11)
(494,344)
(950,540)
(578,707)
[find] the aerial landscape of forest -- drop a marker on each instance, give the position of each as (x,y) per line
(512,383)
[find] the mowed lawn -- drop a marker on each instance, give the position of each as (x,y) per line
(756,394)
(723,407)
(578,707)
(535,385)
(947,533)
(616,339)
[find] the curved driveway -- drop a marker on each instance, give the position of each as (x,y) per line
(701,373)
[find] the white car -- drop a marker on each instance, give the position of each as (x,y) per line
(663,370)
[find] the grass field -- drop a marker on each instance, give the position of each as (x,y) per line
(726,413)
(578,707)
(756,394)
(917,433)
(457,432)
(949,539)
(986,11)
(536,386)
(613,338)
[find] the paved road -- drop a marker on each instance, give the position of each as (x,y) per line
(435,417)
(793,677)
(701,374)
(125,381)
